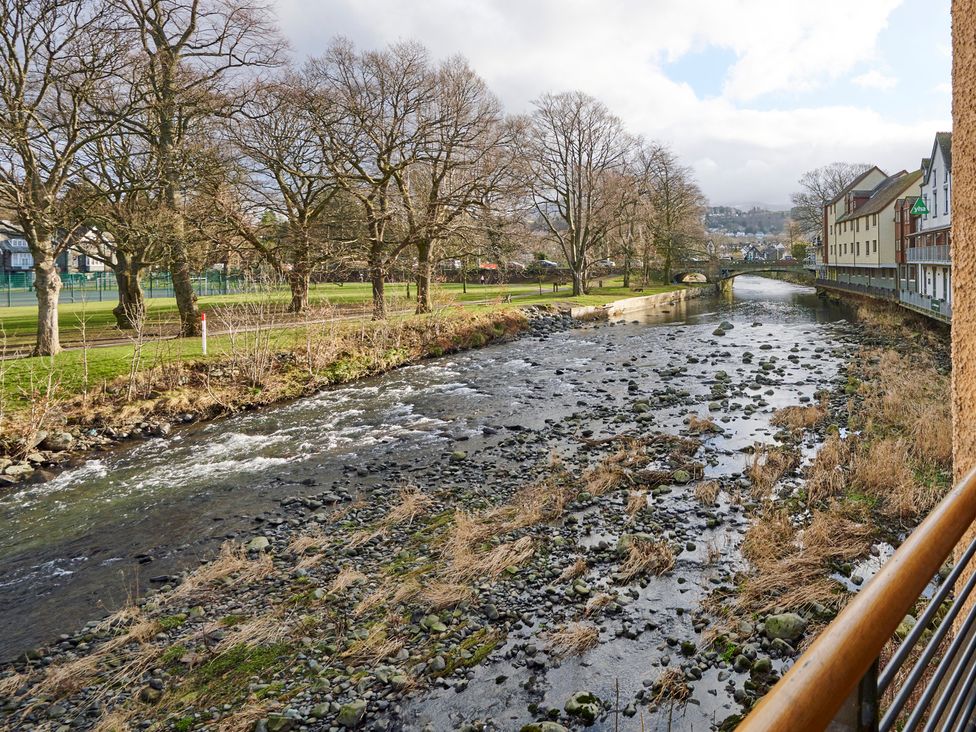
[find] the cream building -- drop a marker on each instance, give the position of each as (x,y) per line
(859,240)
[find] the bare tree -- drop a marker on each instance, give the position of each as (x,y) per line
(574,148)
(122,225)
(193,56)
(286,176)
(464,167)
(369,108)
(817,188)
(58,58)
(675,227)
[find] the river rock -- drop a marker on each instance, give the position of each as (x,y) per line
(543,727)
(585,705)
(18,470)
(57,441)
(681,476)
(258,544)
(351,715)
(788,626)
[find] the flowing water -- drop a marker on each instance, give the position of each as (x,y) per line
(74,548)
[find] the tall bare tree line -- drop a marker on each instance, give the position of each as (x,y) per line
(163,133)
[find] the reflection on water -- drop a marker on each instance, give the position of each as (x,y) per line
(65,546)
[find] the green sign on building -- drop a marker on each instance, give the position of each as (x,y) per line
(919,208)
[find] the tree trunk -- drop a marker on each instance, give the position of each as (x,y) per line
(626,270)
(132,304)
(377,276)
(424,274)
(298,281)
(579,286)
(47,285)
(186,298)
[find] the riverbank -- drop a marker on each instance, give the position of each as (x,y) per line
(55,411)
(476,579)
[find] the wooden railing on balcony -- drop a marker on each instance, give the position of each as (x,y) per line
(843,660)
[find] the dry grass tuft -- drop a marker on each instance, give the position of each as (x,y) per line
(346,578)
(769,464)
(596,603)
(670,686)
(573,639)
(117,720)
(413,503)
(702,425)
(442,595)
(246,718)
(647,557)
(636,502)
(261,631)
(604,477)
(232,561)
(577,569)
(792,566)
(469,565)
(10,684)
(826,477)
(707,492)
(884,472)
(302,543)
(798,418)
(376,646)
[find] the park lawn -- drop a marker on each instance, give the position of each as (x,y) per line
(20,378)
(18,325)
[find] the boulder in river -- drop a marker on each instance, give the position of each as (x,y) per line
(788,626)
(585,705)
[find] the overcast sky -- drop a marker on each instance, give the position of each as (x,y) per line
(751,93)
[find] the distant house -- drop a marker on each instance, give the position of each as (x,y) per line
(75,257)
(15,255)
(752,253)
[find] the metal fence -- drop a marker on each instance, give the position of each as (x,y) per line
(17,288)
(862,673)
(938,253)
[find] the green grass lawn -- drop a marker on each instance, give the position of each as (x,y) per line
(19,377)
(19,324)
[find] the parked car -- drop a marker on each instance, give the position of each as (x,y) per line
(606,263)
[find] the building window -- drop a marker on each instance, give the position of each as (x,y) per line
(19,260)
(935,203)
(857,253)
(875,246)
(945,197)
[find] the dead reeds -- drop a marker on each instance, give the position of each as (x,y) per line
(799,418)
(826,476)
(646,557)
(768,466)
(577,569)
(572,639)
(793,565)
(706,492)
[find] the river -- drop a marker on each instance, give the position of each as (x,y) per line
(76,547)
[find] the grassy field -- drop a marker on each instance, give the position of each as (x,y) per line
(74,370)
(96,319)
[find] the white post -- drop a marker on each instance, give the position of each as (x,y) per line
(203,331)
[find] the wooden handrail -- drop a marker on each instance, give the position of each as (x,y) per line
(810,694)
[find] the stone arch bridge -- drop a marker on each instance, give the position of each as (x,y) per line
(722,271)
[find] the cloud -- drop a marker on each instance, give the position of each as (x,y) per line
(774,109)
(874,79)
